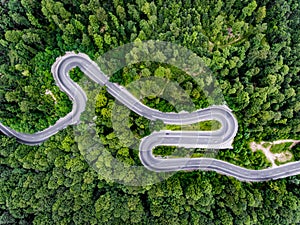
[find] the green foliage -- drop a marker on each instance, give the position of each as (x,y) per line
(282,147)
(251,47)
(265,145)
(204,125)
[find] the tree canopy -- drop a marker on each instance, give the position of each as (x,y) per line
(251,48)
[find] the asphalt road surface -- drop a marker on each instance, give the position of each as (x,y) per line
(219,139)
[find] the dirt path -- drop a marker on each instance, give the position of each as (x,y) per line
(281,157)
(48,92)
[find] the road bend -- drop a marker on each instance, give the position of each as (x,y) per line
(218,139)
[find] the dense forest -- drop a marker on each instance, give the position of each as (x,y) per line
(251,47)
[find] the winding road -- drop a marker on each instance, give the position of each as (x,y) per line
(219,139)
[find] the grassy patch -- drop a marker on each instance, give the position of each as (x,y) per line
(180,152)
(278,163)
(164,151)
(265,145)
(278,148)
(204,126)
